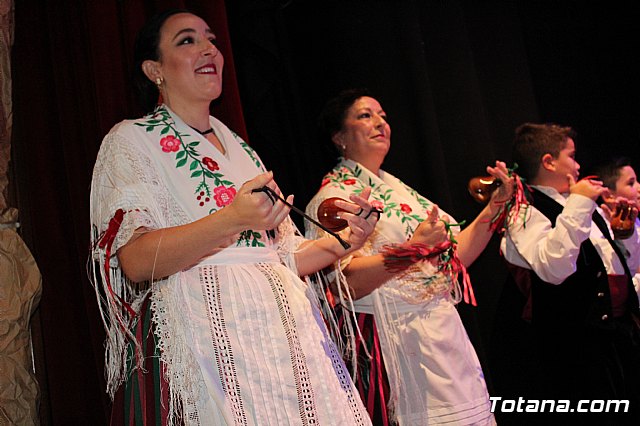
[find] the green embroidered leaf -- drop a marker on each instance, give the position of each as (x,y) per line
(256,240)
(165,130)
(150,128)
(181,163)
(202,186)
(194,165)
(180,154)
(196,143)
(250,152)
(196,173)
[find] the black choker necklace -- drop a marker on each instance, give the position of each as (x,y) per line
(206,132)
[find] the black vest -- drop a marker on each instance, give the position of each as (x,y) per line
(583,301)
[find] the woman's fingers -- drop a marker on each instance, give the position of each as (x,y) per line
(261,209)
(433,215)
(280,211)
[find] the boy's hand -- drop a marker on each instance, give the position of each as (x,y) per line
(587,187)
(619,207)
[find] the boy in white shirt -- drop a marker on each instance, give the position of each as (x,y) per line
(586,341)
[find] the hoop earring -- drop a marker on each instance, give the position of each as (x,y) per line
(159,82)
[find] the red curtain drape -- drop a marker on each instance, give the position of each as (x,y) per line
(71,64)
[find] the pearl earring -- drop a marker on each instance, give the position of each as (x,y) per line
(159,84)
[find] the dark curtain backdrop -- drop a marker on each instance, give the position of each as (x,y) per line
(455,78)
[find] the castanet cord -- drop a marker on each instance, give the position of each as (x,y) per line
(273,196)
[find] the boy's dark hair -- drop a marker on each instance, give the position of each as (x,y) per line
(609,171)
(532,141)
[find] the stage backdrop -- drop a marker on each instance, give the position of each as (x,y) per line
(455,78)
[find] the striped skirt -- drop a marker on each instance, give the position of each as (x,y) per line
(144,397)
(371,378)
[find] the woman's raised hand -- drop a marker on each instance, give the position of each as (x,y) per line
(431,231)
(257,210)
(504,191)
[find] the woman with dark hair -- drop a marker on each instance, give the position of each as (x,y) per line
(197,263)
(413,361)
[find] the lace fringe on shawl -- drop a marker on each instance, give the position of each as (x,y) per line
(288,244)
(345,339)
(117,167)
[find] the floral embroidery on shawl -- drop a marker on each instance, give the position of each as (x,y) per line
(348,179)
(210,184)
(203,169)
(402,205)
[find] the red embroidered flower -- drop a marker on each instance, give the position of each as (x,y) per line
(223,195)
(349,182)
(324,182)
(211,165)
(377,204)
(405,208)
(170,143)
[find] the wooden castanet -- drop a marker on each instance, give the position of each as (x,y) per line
(622,220)
(329,215)
(481,187)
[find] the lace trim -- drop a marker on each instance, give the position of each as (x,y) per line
(181,369)
(221,343)
(345,383)
(306,398)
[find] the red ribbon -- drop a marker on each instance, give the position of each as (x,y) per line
(456,268)
(105,242)
(510,208)
(398,257)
